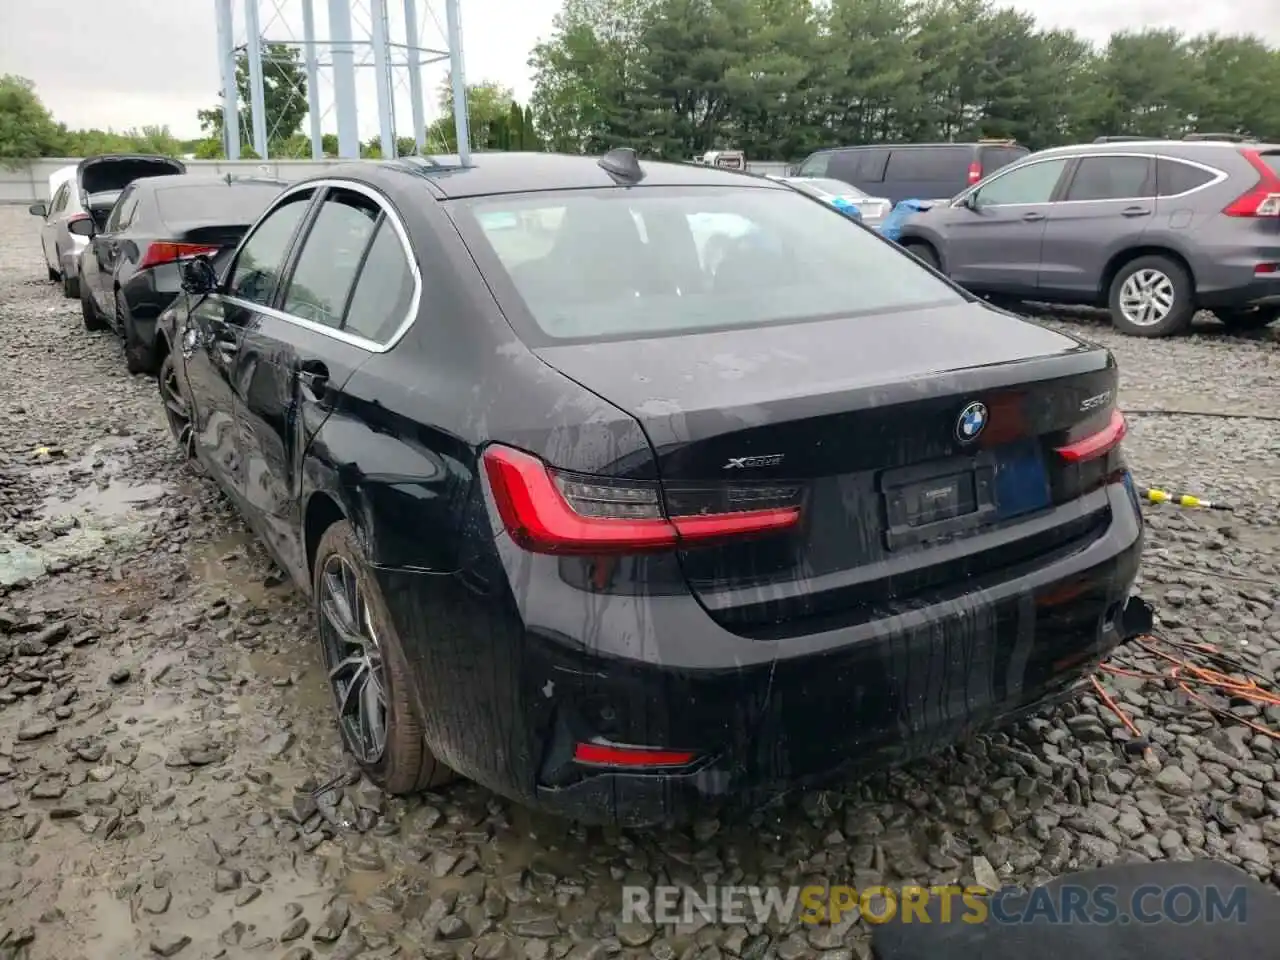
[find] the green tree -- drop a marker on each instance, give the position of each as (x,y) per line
(27,130)
(284,90)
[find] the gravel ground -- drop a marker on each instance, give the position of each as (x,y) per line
(171,782)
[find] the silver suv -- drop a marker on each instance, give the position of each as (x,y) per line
(1155,230)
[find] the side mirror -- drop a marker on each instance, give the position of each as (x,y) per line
(198,276)
(84,227)
(971,201)
(38,210)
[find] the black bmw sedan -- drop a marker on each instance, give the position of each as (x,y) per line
(619,484)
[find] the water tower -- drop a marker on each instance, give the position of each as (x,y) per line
(352,46)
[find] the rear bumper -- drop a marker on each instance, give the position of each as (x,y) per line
(1227,277)
(510,692)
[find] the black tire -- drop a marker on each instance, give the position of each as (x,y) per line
(177,411)
(1172,278)
(1254,319)
(54,276)
(138,356)
(89,311)
(924,253)
(406,764)
(71,288)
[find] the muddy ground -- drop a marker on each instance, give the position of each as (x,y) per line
(171,782)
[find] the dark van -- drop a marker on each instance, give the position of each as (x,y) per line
(902,171)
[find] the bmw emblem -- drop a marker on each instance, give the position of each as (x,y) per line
(973,419)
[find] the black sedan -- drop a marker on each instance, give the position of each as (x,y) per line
(607,526)
(129,271)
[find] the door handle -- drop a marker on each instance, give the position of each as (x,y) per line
(1032,217)
(1134,212)
(313,379)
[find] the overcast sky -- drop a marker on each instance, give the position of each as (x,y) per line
(128,63)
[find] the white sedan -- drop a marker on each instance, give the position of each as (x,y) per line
(873,209)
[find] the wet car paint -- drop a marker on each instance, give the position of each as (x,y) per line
(517,656)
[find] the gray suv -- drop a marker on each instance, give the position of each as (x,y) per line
(1155,230)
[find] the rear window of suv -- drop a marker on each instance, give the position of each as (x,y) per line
(652,261)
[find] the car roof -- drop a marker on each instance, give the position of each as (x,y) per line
(498,173)
(1183,148)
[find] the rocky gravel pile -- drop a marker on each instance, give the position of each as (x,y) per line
(171,783)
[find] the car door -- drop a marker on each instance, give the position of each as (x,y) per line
(1107,205)
(49,229)
(104,249)
(344,298)
(214,332)
(992,233)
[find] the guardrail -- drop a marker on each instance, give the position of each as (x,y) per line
(29,183)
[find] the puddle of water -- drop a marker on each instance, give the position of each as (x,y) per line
(111,499)
(236,561)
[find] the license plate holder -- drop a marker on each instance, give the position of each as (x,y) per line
(935,501)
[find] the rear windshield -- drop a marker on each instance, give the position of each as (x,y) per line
(240,203)
(648,261)
(993,158)
(837,188)
(928,163)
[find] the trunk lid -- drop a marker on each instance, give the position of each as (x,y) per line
(863,417)
(117,171)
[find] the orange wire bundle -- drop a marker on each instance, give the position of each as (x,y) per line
(1183,671)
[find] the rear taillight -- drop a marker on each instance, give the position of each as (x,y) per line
(1096,444)
(1263,200)
(165,252)
(975,172)
(549,511)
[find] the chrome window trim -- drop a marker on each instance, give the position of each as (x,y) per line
(362,343)
(1218,177)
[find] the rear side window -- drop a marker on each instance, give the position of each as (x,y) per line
(256,273)
(1112,178)
(330,258)
(624,264)
(383,292)
(993,158)
(1174,178)
(216,202)
(815,166)
(122,212)
(928,163)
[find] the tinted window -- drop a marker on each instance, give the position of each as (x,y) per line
(708,258)
(815,166)
(260,260)
(1033,183)
(60,199)
(869,165)
(993,158)
(1111,178)
(330,257)
(380,301)
(240,203)
(928,163)
(122,212)
(1174,178)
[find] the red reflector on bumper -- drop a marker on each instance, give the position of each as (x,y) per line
(1097,444)
(609,755)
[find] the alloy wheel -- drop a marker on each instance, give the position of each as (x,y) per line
(176,409)
(1147,297)
(354,660)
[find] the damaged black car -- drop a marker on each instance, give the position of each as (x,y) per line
(620,485)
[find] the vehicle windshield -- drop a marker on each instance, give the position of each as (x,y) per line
(215,202)
(647,261)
